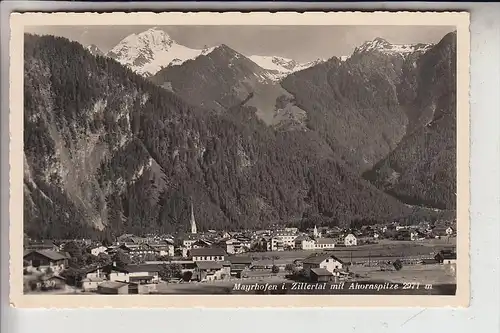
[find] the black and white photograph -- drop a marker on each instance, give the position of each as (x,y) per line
(258,159)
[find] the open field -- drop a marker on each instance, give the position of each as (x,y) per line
(423,274)
(385,249)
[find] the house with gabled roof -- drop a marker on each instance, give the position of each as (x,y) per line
(43,260)
(108,273)
(304,242)
(322,260)
(324,243)
(212,270)
(144,273)
(208,254)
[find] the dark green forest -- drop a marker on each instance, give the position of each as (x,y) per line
(422,169)
(107,152)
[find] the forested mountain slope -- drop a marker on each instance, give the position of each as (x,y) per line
(107,150)
(422,169)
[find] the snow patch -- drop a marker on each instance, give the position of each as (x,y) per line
(383,46)
(280,67)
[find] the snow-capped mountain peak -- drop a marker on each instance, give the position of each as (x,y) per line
(148,52)
(383,46)
(151,50)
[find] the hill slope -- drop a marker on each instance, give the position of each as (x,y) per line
(224,78)
(107,150)
(422,169)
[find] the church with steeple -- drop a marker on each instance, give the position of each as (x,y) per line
(193,222)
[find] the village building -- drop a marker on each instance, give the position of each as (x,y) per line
(211,270)
(322,260)
(143,273)
(41,245)
(417,235)
(321,275)
(53,282)
(131,239)
(164,248)
(324,243)
(188,242)
(208,254)
(108,272)
(98,250)
(233,246)
(446,257)
(239,264)
(283,240)
(350,240)
(305,242)
(139,249)
(90,284)
(201,243)
(113,288)
(45,260)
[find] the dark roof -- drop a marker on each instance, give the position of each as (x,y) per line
(449,256)
(46,278)
(321,272)
(143,268)
(325,241)
(112,284)
(318,258)
(208,265)
(429,261)
(301,238)
(52,255)
(208,251)
(240,260)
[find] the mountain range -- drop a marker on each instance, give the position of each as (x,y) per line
(148,52)
(126,141)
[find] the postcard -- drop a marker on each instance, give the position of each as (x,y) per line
(256,159)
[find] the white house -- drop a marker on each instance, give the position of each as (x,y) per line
(144,273)
(212,270)
(305,243)
(98,250)
(208,254)
(282,240)
(350,240)
(327,261)
(324,243)
(188,243)
(235,245)
(164,248)
(109,272)
(449,231)
(91,284)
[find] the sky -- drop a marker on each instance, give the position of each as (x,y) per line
(301,43)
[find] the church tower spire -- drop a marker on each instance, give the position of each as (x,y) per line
(193,222)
